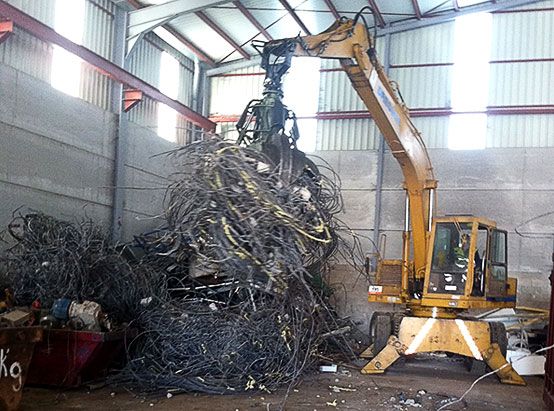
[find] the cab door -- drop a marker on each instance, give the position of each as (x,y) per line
(497,264)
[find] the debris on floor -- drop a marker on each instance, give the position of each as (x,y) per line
(526,333)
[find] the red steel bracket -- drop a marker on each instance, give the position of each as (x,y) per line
(131,98)
(6,30)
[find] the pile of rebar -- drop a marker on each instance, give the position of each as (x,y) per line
(250,311)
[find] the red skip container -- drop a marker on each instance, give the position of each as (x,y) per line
(16,350)
(69,358)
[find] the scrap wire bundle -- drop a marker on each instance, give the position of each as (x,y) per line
(239,216)
(252,311)
(54,259)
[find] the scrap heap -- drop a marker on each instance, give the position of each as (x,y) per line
(230,295)
(49,259)
(251,310)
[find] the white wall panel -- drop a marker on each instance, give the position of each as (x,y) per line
(346,134)
(98,35)
(523,35)
(424,87)
(521,84)
(337,93)
(434,130)
(520,131)
(433,44)
(231,94)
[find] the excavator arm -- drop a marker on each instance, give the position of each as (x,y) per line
(350,42)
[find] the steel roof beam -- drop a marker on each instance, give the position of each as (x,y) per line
(443,17)
(293,14)
(333,9)
(379,20)
(49,35)
(417,10)
(146,19)
(252,19)
(204,17)
(189,44)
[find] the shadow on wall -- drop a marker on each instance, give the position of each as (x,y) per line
(350,296)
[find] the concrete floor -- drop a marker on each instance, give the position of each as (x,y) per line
(428,382)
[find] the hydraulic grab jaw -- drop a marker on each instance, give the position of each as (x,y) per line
(349,41)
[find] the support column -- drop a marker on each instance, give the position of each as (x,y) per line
(122,132)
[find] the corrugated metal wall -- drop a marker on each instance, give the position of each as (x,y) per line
(96,88)
(25,52)
(346,134)
(32,56)
(422,87)
(522,74)
(231,92)
(337,95)
(145,63)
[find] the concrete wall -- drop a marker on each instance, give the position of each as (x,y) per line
(508,185)
(58,155)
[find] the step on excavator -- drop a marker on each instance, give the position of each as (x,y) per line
(449,265)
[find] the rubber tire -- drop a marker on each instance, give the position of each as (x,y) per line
(499,336)
(380,330)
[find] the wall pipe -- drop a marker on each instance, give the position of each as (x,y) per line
(380,158)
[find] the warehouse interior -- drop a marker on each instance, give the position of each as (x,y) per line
(114,113)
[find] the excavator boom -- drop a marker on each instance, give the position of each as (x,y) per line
(350,42)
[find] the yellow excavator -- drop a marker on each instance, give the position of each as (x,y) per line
(449,264)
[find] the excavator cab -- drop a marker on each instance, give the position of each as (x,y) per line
(466,269)
(468,265)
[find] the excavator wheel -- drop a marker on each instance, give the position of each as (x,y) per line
(499,336)
(380,329)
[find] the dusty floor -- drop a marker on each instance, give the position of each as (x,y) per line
(424,384)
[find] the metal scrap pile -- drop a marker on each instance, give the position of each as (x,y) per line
(245,302)
(54,259)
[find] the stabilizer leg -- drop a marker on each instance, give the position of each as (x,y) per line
(386,357)
(495,360)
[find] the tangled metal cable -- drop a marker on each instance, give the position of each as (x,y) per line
(244,256)
(54,259)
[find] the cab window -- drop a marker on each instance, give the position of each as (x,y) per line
(451,258)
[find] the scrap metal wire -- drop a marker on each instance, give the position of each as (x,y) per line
(54,259)
(244,257)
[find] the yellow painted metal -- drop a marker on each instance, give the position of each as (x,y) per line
(457,336)
(496,361)
(466,301)
(350,42)
(384,359)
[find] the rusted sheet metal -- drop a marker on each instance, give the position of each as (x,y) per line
(16,350)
